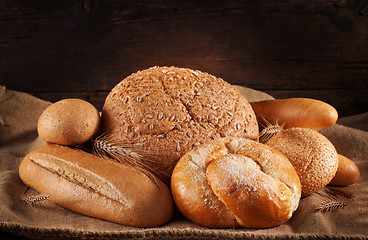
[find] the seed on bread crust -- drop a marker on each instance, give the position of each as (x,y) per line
(187,106)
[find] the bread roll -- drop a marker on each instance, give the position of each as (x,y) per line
(312,155)
(97,187)
(295,112)
(167,111)
(347,172)
(232,182)
(69,122)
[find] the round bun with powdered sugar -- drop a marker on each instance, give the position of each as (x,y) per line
(231,182)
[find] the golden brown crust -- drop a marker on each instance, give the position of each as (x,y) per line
(347,172)
(193,196)
(169,110)
(97,187)
(295,112)
(69,122)
(235,181)
(312,155)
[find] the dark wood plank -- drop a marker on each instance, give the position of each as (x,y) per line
(346,102)
(58,48)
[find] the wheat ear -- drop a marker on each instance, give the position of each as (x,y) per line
(105,145)
(269,130)
(34,199)
(336,199)
(330,206)
(127,153)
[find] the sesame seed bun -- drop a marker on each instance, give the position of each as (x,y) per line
(167,111)
(313,156)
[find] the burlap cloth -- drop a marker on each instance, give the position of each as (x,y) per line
(18,136)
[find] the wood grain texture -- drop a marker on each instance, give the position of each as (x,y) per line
(82,48)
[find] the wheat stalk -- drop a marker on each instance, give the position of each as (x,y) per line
(330,206)
(336,199)
(105,145)
(127,153)
(34,199)
(333,193)
(269,130)
(338,193)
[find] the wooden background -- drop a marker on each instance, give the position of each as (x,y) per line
(83,48)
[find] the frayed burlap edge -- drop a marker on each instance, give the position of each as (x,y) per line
(147,233)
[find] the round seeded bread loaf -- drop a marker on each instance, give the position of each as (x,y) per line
(162,112)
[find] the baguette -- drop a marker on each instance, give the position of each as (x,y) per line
(347,172)
(295,112)
(97,187)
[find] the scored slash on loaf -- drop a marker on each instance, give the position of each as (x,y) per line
(78,175)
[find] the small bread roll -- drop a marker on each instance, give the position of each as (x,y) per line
(69,122)
(168,110)
(232,182)
(97,187)
(347,172)
(312,155)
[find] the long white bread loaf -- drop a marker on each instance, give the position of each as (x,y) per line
(97,187)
